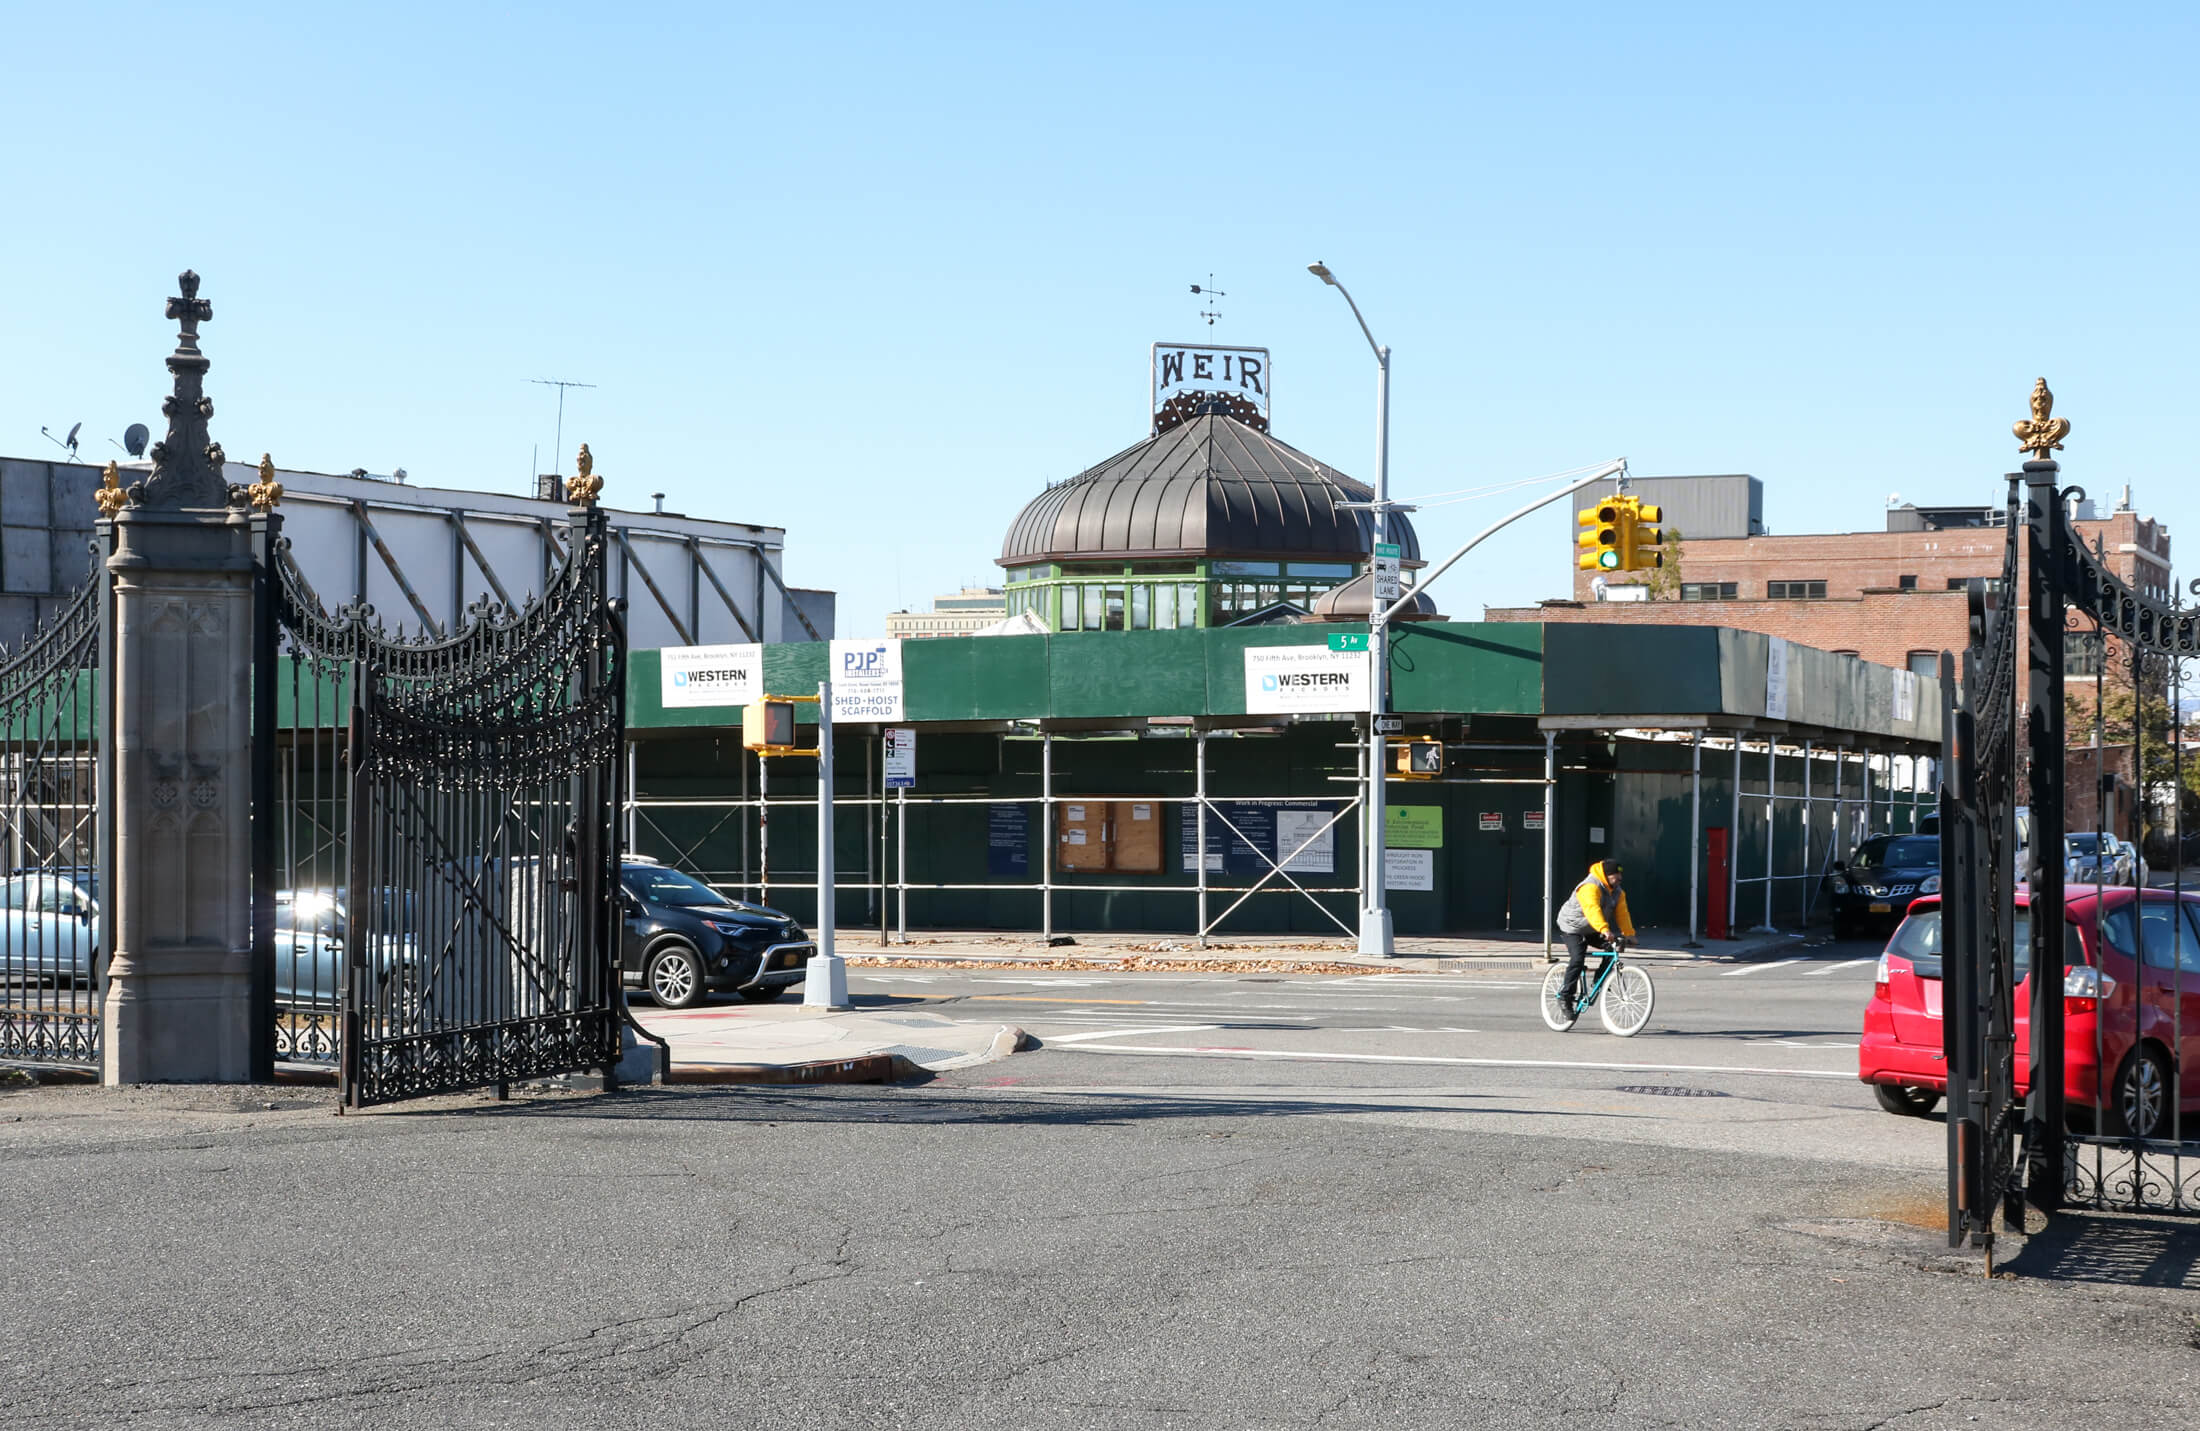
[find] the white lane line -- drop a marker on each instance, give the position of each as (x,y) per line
(1141,1029)
(1473,1062)
(1832,968)
(1759,968)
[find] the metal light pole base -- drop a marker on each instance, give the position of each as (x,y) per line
(1375,941)
(826,984)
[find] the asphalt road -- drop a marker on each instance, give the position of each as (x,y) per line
(1269,1222)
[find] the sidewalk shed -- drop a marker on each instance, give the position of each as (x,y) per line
(1069,782)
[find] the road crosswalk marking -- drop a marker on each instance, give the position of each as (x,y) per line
(1844,964)
(1758,968)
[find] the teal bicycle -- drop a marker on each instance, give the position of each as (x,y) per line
(1622,993)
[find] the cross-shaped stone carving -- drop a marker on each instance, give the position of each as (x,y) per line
(191,309)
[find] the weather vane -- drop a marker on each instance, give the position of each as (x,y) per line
(1210,292)
(2042,432)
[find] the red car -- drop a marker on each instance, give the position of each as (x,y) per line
(2138,1018)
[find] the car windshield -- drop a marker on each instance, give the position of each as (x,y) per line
(657,885)
(2084,844)
(1898,852)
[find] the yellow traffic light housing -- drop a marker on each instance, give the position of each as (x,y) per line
(1417,759)
(1602,536)
(1641,539)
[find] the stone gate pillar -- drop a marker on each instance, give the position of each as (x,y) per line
(179,1004)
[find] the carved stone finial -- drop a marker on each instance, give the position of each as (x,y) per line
(2042,432)
(187,464)
(109,495)
(583,489)
(266,492)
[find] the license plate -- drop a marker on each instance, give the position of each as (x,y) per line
(1882,909)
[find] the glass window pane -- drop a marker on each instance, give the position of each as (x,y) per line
(1244,568)
(1115,608)
(1069,610)
(1164,608)
(1187,605)
(1141,608)
(1095,603)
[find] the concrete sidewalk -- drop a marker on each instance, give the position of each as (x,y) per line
(1268,952)
(788,1043)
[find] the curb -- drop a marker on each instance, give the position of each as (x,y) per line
(871,1068)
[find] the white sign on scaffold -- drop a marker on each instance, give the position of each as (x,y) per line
(1285,680)
(866,678)
(690,676)
(901,757)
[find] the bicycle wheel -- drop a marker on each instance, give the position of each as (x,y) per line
(1554,1014)
(1625,1003)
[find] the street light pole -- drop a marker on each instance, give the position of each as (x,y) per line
(1375,925)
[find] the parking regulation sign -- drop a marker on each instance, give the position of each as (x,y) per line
(901,757)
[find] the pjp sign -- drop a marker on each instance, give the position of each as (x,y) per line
(866,680)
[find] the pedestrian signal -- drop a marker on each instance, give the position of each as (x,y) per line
(768,725)
(1418,759)
(1601,536)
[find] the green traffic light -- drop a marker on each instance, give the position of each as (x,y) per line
(1608,560)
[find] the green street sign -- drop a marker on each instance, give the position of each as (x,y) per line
(1413,827)
(1347,641)
(1388,549)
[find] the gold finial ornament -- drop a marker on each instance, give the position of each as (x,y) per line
(266,492)
(109,494)
(2042,432)
(582,490)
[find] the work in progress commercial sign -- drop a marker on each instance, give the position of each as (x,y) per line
(692,676)
(1294,680)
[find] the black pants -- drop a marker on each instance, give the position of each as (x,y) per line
(1577,956)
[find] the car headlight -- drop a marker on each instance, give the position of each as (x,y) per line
(735,929)
(1930,885)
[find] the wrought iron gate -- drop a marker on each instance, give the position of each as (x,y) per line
(440,890)
(53,958)
(1978,850)
(2105,1125)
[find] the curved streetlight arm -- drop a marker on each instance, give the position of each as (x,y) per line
(1382,354)
(1615,468)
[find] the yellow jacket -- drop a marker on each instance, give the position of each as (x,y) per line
(1600,906)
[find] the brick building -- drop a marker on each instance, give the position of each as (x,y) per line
(1895,597)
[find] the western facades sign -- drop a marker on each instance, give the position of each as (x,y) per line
(1304,680)
(1187,374)
(692,676)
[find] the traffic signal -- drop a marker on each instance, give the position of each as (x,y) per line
(1418,759)
(768,725)
(1603,529)
(1640,539)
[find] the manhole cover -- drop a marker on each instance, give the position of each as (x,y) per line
(1670,1090)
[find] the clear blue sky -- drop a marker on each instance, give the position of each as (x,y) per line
(877,273)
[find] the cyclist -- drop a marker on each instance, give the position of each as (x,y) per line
(1595,917)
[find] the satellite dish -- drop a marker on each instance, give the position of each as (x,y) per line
(72,438)
(133,439)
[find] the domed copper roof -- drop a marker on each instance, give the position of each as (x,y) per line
(1212,487)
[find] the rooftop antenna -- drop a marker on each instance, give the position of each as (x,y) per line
(133,441)
(1210,293)
(561,385)
(67,444)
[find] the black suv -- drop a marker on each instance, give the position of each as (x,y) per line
(683,939)
(1876,888)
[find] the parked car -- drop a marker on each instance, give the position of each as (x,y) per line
(311,935)
(2131,996)
(684,939)
(2097,858)
(49,928)
(1877,885)
(1929,824)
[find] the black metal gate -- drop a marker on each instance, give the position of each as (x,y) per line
(439,881)
(53,950)
(1978,851)
(2105,1124)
